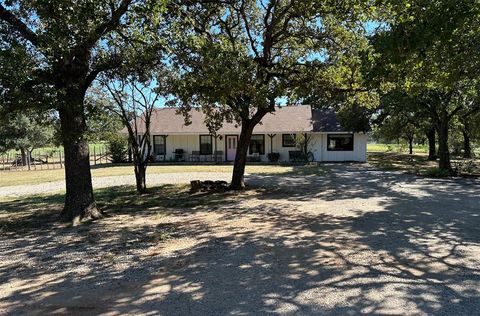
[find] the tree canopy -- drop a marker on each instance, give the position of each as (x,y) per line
(423,52)
(64,46)
(237,60)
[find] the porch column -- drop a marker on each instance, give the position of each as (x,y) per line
(164,147)
(215,136)
(271,136)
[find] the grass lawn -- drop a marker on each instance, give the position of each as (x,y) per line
(8,178)
(396,148)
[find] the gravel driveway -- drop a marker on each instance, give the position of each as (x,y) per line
(355,241)
(102,182)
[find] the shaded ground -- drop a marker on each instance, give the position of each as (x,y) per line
(354,241)
(420,165)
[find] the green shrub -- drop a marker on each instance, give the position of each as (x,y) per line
(273,157)
(464,167)
(117,146)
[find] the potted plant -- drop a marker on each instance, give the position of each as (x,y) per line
(273,157)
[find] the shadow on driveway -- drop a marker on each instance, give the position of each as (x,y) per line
(354,241)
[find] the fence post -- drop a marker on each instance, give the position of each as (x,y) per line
(60,154)
(94,156)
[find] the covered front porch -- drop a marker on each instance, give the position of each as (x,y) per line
(219,148)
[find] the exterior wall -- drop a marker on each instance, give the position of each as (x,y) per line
(359,152)
(188,143)
(319,148)
(191,143)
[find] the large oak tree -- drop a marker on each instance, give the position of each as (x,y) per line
(69,43)
(238,60)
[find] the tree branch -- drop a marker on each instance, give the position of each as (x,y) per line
(105,27)
(108,64)
(19,26)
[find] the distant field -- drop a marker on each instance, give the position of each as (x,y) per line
(396,148)
(53,149)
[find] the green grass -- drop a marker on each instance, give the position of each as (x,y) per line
(8,178)
(396,148)
(54,149)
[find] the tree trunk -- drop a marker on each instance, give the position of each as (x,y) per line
(79,201)
(467,147)
(432,151)
(141,177)
(410,145)
(443,151)
(238,182)
(30,158)
(24,156)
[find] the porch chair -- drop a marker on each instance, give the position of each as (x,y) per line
(195,156)
(218,156)
(179,154)
(296,156)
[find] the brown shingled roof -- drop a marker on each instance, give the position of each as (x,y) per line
(287,119)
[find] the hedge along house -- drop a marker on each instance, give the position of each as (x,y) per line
(172,140)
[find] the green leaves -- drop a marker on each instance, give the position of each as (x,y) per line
(27,130)
(240,58)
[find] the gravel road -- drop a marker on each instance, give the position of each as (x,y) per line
(103,182)
(357,241)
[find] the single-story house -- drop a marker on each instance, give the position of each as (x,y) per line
(173,140)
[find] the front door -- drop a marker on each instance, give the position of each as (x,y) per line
(231,144)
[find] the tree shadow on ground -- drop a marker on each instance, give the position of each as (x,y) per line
(352,242)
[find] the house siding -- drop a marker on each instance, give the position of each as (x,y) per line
(191,143)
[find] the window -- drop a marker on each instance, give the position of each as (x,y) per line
(288,140)
(159,147)
(205,145)
(257,145)
(340,142)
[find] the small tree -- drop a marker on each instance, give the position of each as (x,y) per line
(117,146)
(134,100)
(102,125)
(25,132)
(305,142)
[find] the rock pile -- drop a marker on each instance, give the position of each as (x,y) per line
(208,186)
